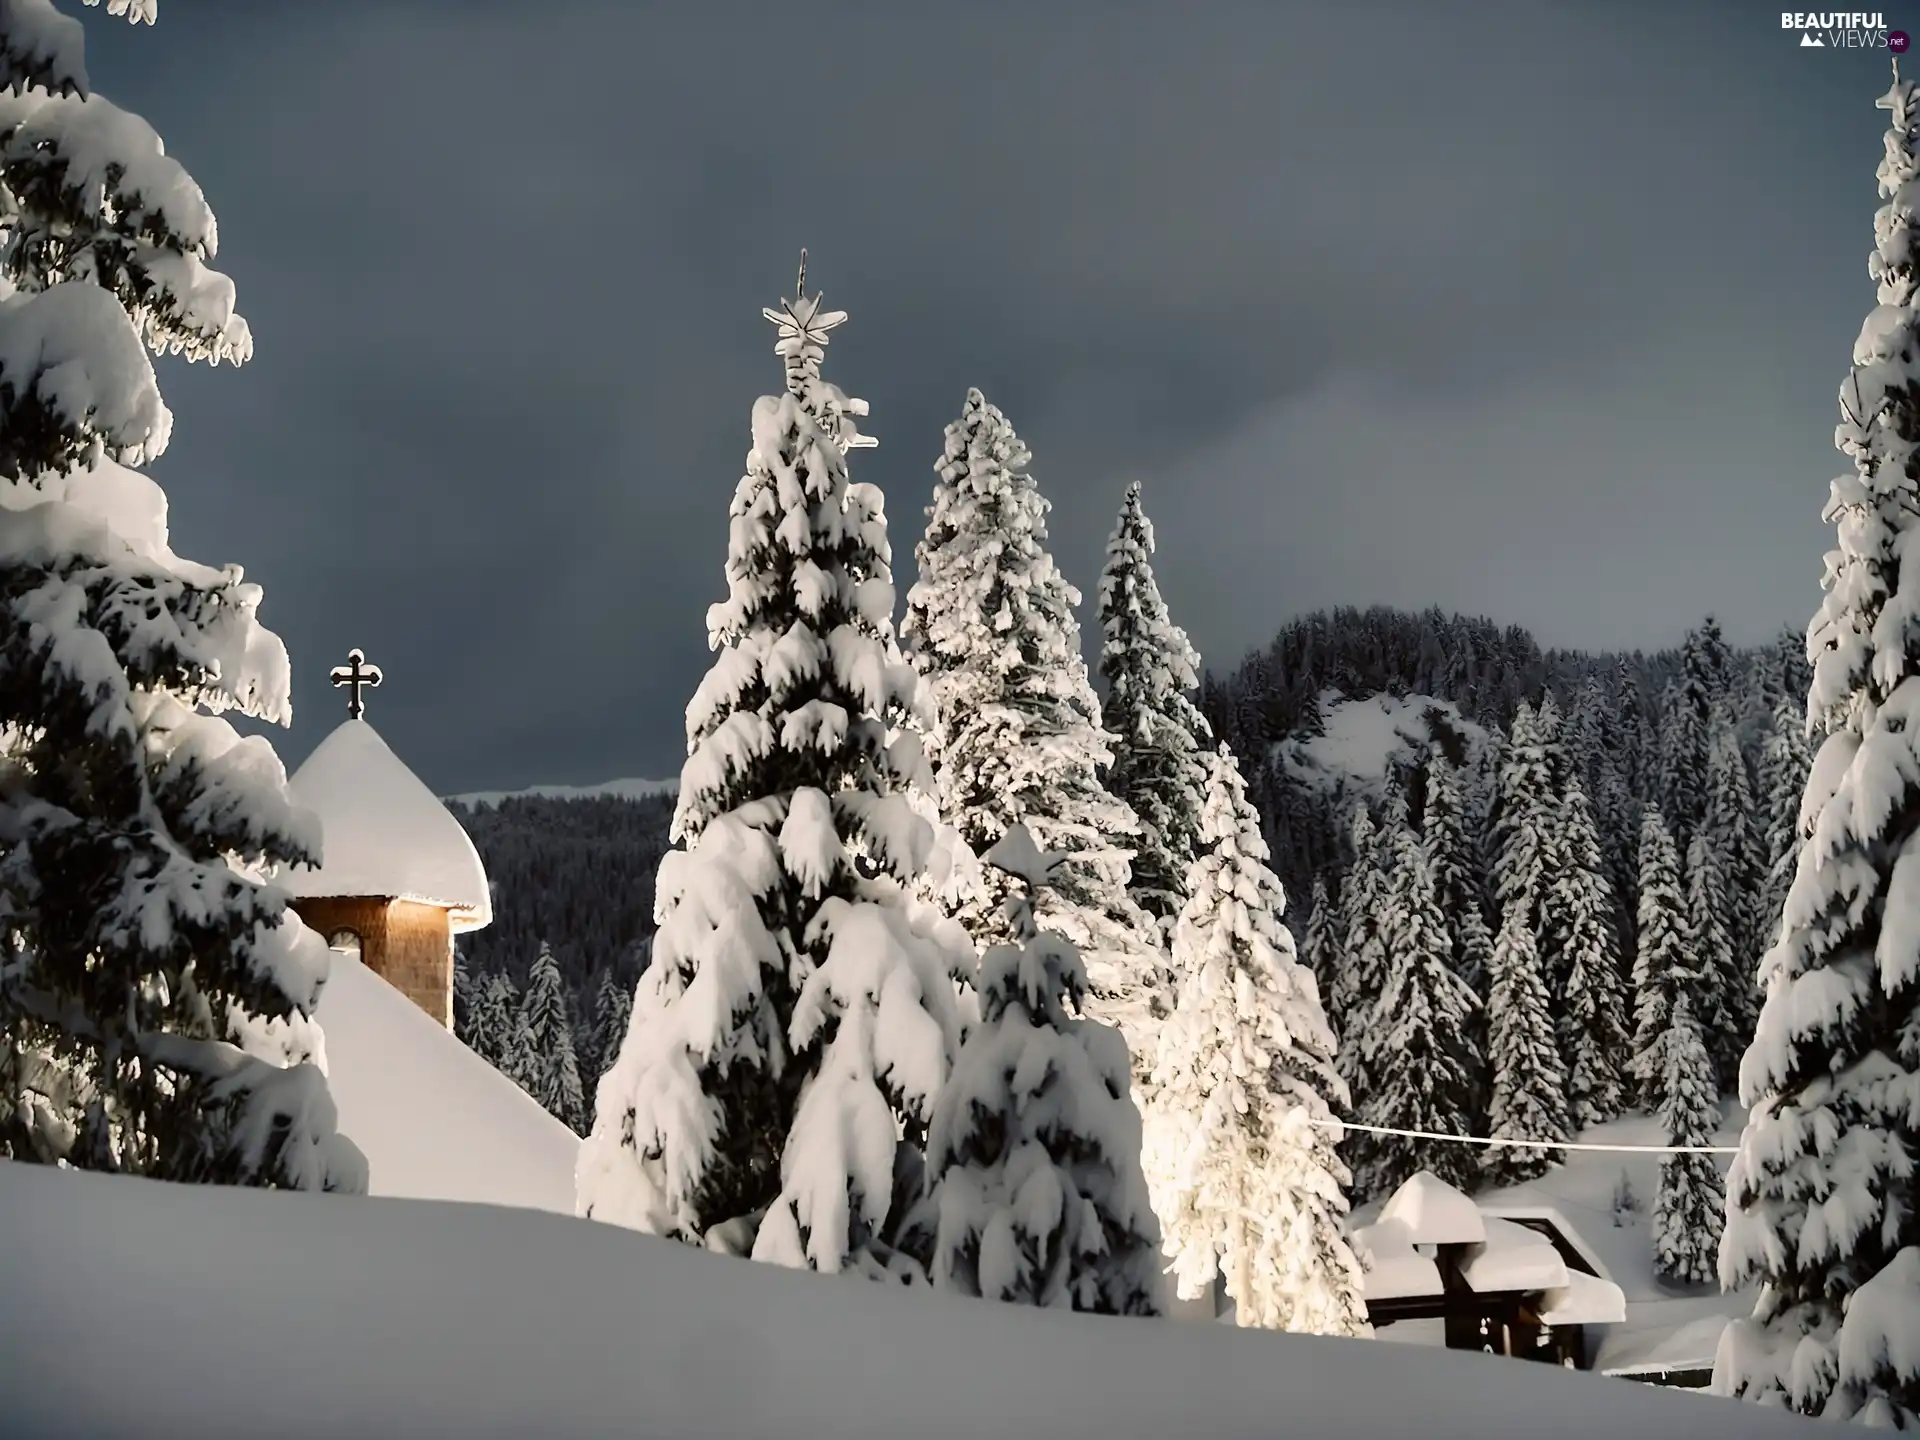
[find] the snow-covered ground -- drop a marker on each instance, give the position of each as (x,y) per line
(155,1311)
(1360,737)
(618,789)
(435,1121)
(1663,1321)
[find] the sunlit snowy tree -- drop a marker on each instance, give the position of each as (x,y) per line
(1017,736)
(1820,1210)
(1529,1097)
(1159,735)
(795,1024)
(155,989)
(1247,1181)
(1033,1154)
(1689,1208)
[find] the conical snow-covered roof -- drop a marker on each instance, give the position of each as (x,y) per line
(384,833)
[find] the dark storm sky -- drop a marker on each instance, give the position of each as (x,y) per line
(1537,310)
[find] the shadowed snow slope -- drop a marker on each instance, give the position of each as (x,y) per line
(435,1121)
(153,1311)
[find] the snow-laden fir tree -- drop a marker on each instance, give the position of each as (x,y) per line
(1686,720)
(549,1037)
(1159,735)
(612,1009)
(1420,1060)
(1592,1028)
(1529,1093)
(1444,830)
(1033,1153)
(1719,1000)
(492,1018)
(155,989)
(1320,945)
(1820,1211)
(1360,971)
(1730,821)
(1785,760)
(464,991)
(1523,827)
(1017,736)
(797,1019)
(1689,1208)
(1247,1181)
(1663,960)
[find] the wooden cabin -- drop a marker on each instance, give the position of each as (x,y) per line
(1513,1282)
(398,877)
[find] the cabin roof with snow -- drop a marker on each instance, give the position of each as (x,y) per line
(384,833)
(1428,1229)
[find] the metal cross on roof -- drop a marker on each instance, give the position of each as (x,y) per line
(355,674)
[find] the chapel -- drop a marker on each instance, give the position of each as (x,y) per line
(399,877)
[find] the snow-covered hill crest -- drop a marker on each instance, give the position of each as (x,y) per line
(629,789)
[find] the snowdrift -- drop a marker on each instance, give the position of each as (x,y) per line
(435,1121)
(150,1311)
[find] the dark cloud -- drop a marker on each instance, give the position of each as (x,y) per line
(1538,311)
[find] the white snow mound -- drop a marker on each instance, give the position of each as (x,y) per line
(435,1121)
(333,1315)
(384,832)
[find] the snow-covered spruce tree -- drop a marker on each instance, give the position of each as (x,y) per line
(1690,1204)
(1033,1153)
(1457,881)
(155,989)
(1017,737)
(556,1068)
(1420,1060)
(1522,826)
(1159,735)
(612,1009)
(795,1023)
(1689,1209)
(1320,945)
(1241,1153)
(1721,985)
(1663,961)
(1592,1030)
(1785,760)
(1730,821)
(492,1019)
(1360,970)
(1820,1209)
(1529,1099)
(463,992)
(1686,720)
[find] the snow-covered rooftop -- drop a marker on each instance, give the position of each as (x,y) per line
(1512,1257)
(1434,1213)
(435,1121)
(384,831)
(1584,1300)
(1394,1269)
